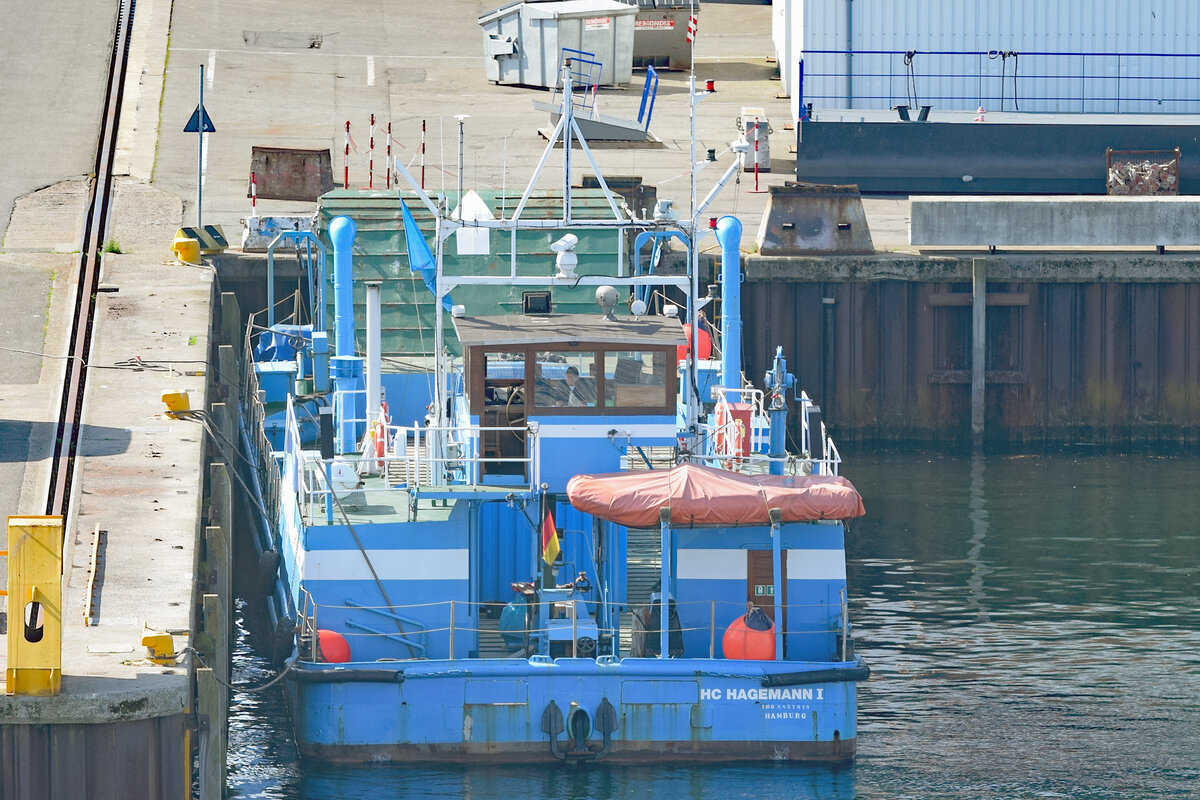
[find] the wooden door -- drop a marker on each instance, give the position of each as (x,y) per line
(760,582)
(508,411)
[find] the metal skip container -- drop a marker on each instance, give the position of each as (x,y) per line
(660,37)
(523,41)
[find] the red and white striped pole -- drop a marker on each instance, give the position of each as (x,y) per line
(422,154)
(371,157)
(388,184)
(346,159)
(253,195)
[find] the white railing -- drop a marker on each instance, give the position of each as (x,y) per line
(731,439)
(343,401)
(428,457)
(444,620)
(452,454)
(830,464)
(745,448)
(832,457)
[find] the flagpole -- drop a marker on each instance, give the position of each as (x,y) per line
(547,568)
(693,401)
(439,377)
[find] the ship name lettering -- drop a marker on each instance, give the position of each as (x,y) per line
(797,693)
(785,693)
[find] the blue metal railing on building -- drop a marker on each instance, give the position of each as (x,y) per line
(649,92)
(1002,80)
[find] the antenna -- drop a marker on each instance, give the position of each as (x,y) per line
(460,118)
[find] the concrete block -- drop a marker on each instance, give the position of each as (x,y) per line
(285,173)
(809,218)
(1054,221)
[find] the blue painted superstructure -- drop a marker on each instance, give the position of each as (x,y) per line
(490,614)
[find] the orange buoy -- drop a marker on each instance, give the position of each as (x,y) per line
(745,638)
(334,648)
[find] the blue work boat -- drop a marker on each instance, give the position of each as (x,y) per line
(594,546)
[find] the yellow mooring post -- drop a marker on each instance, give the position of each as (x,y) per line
(34,605)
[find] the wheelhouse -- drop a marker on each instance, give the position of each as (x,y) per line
(584,382)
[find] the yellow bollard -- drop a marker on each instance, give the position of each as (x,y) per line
(175,400)
(34,605)
(186,250)
(160,647)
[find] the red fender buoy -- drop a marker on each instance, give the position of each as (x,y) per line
(334,647)
(704,345)
(748,643)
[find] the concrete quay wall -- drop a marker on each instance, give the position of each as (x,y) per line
(1055,221)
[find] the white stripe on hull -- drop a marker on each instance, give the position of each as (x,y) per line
(730,565)
(390,565)
(622,432)
(710,565)
(816,565)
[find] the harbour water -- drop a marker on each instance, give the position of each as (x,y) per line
(1033,626)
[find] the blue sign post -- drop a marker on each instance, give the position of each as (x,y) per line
(200,124)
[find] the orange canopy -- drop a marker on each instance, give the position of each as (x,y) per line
(699,495)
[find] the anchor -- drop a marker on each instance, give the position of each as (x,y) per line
(580,728)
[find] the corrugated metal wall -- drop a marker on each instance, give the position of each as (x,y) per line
(1066,362)
(1076,83)
(134,760)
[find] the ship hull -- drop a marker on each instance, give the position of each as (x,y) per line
(503,710)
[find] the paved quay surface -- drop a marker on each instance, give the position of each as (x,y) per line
(51,69)
(53,63)
(267,86)
(139,476)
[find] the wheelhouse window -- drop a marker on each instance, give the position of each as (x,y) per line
(504,377)
(565,380)
(635,379)
(568,378)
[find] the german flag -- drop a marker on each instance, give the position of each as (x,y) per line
(550,548)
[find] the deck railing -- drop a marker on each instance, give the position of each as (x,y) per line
(731,438)
(453,454)
(417,461)
(453,617)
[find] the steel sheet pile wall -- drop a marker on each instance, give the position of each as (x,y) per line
(1084,82)
(890,360)
(130,760)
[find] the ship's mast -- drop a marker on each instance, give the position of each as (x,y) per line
(692,402)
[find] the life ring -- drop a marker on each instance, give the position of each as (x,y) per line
(380,436)
(721,419)
(727,439)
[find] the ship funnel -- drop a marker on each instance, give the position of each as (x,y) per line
(729,235)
